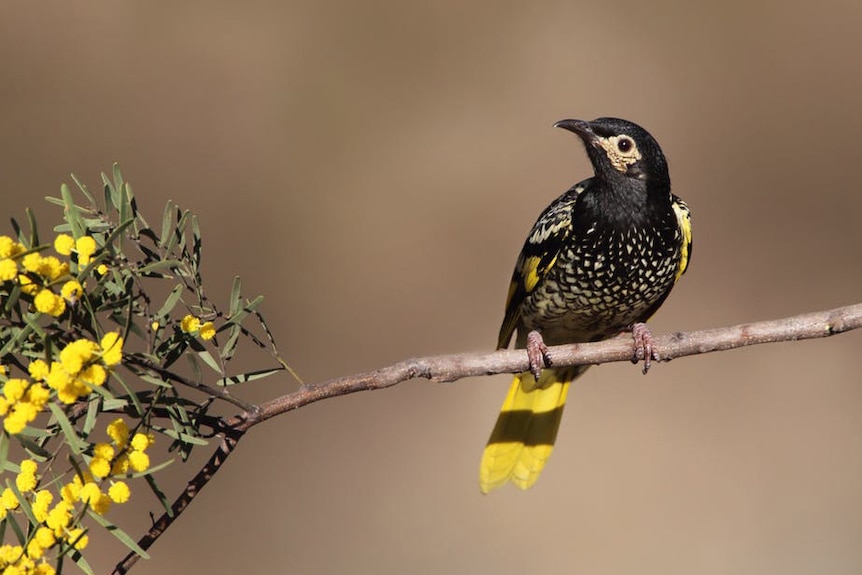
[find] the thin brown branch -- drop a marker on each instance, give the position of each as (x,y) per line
(447,368)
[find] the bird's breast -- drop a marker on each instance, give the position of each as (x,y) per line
(603,281)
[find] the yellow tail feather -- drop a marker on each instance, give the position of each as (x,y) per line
(524,435)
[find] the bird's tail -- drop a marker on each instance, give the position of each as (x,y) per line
(524,435)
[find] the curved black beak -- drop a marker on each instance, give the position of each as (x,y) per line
(579,127)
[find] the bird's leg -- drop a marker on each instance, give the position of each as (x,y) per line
(643,348)
(537,351)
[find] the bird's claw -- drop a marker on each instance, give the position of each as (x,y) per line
(537,351)
(643,348)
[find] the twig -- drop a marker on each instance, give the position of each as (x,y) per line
(447,368)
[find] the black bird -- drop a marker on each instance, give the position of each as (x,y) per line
(601,259)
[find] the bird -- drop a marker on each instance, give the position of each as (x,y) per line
(599,261)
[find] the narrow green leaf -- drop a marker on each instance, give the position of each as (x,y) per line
(229,348)
(235,296)
(33,447)
(121,535)
(4,454)
(84,190)
(130,395)
(247,376)
(19,534)
(77,557)
(72,440)
(72,213)
(125,208)
(170,302)
(34,229)
(206,357)
(159,265)
(167,224)
(177,235)
(243,313)
(22,501)
(93,410)
(118,175)
(149,470)
(197,245)
(160,495)
(112,237)
(181,436)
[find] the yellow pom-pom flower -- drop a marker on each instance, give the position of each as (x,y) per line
(112,348)
(141,441)
(59,517)
(119,492)
(41,502)
(121,465)
(27,285)
(190,324)
(8,499)
(71,492)
(45,537)
(94,374)
(48,302)
(72,290)
(38,369)
(78,538)
(32,262)
(8,269)
(86,247)
(139,461)
(26,481)
(207,330)
(64,244)
(9,247)
(100,467)
(15,388)
(76,354)
(118,431)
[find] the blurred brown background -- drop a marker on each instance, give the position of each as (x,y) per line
(373,167)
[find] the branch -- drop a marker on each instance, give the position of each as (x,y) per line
(447,368)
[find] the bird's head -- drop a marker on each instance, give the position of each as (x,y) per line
(622,151)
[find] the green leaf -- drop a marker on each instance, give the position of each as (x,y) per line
(115,234)
(235,296)
(121,535)
(33,447)
(170,302)
(243,313)
(34,230)
(22,501)
(177,235)
(208,359)
(79,560)
(72,440)
(160,495)
(72,212)
(84,190)
(247,376)
(4,453)
(167,224)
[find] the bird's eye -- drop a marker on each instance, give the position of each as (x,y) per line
(625,145)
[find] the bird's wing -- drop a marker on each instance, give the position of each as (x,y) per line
(549,234)
(683,216)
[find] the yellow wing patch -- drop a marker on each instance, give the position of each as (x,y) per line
(532,272)
(683,216)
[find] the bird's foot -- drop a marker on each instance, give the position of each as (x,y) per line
(643,348)
(537,351)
